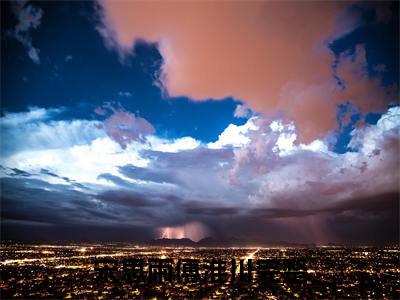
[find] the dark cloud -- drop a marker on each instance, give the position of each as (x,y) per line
(281,212)
(195,209)
(38,201)
(191,171)
(56,209)
(373,204)
(148,174)
(66,179)
(115,179)
(18,172)
(129,198)
(47,172)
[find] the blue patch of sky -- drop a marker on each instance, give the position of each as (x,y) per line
(345,111)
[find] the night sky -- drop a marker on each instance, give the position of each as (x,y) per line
(134,120)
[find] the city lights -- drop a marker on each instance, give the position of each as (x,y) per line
(120,270)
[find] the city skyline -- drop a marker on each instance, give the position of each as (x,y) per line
(258,121)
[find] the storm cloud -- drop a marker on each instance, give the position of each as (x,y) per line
(266,181)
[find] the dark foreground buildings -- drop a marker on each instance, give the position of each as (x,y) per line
(126,271)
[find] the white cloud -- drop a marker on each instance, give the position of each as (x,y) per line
(284,144)
(367,139)
(315,146)
(286,174)
(234,135)
(82,163)
(276,126)
(34,114)
(77,149)
(176,145)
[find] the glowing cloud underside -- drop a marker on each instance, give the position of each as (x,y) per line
(194,231)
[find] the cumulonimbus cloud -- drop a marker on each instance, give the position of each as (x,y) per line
(274,56)
(262,182)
